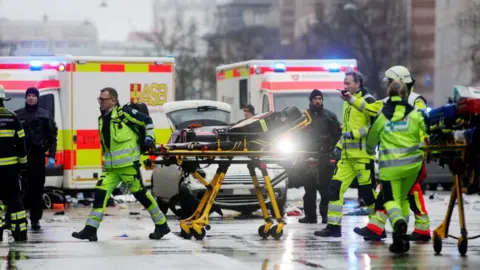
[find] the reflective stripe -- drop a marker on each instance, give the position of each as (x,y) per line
(8,161)
(336,220)
(120,152)
(23,227)
(158,218)
(154,211)
(399,162)
(422,227)
(264,125)
(149,126)
(377,222)
(6,119)
(21,134)
(362,105)
(353,145)
(395,214)
(156,214)
(371,209)
(22,160)
(399,150)
(362,131)
(7,133)
(96,214)
(18,215)
(123,160)
(335,208)
(93,222)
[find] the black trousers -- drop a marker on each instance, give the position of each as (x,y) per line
(35,182)
(320,182)
(10,193)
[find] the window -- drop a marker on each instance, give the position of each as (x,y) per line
(265,104)
(47,102)
(243,93)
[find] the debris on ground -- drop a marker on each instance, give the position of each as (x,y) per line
(60,213)
(363,211)
(59,218)
(293,211)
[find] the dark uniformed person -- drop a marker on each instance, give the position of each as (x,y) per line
(119,129)
(248,111)
(41,137)
(322,135)
(13,159)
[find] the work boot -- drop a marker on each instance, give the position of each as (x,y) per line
(330,231)
(18,235)
(400,240)
(369,235)
(160,231)
(88,233)
(36,225)
(308,220)
(417,237)
(324,219)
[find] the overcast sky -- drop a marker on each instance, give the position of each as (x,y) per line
(113,22)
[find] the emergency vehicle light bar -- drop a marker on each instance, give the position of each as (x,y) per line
(36,65)
(331,67)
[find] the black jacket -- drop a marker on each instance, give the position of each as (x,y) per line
(12,139)
(324,131)
(40,129)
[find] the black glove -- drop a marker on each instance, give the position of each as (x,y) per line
(336,154)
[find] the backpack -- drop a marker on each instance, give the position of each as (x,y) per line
(140,131)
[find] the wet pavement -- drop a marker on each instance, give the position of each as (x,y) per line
(232,243)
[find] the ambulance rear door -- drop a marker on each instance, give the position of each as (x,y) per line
(149,80)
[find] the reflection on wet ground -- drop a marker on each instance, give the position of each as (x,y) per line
(230,244)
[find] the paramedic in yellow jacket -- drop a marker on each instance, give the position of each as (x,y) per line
(375,230)
(399,130)
(121,162)
(354,162)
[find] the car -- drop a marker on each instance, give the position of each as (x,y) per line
(181,194)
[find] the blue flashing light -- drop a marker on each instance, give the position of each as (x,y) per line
(35,65)
(279,67)
(334,67)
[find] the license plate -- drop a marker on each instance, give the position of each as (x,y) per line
(241,192)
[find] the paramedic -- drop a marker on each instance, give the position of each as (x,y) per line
(375,230)
(13,159)
(119,129)
(355,163)
(323,134)
(399,129)
(41,136)
(248,111)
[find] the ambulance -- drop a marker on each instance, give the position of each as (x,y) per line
(271,85)
(69,87)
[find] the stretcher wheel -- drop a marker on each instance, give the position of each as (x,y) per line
(262,233)
(184,234)
(463,246)
(274,234)
(208,227)
(199,236)
(437,244)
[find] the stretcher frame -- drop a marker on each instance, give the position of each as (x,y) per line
(197,224)
(457,165)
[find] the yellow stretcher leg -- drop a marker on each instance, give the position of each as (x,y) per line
(441,232)
(267,229)
(195,225)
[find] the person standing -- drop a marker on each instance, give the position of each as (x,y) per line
(322,135)
(41,137)
(13,159)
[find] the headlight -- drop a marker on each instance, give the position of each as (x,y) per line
(285,145)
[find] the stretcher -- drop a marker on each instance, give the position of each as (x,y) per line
(255,138)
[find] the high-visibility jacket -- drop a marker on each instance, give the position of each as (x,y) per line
(123,148)
(372,109)
(12,139)
(358,123)
(398,130)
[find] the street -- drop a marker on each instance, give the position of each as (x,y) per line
(232,243)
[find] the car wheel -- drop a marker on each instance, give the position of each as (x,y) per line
(163,205)
(447,186)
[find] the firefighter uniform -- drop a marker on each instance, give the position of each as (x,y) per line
(375,230)
(398,130)
(13,158)
(355,163)
(121,162)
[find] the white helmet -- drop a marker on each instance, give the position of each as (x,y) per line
(399,73)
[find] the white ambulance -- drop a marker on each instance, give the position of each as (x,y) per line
(271,85)
(69,87)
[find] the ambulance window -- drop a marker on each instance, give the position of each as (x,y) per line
(265,104)
(243,93)
(47,102)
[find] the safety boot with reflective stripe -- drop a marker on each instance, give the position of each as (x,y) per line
(369,235)
(330,231)
(88,233)
(417,237)
(400,240)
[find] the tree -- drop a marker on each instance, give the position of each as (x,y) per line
(469,24)
(374,32)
